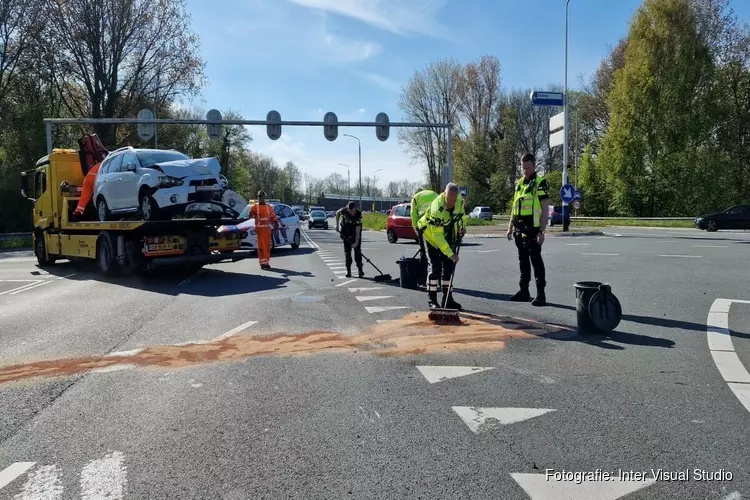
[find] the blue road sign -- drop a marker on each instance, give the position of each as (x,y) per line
(463,190)
(577,195)
(567,193)
(539,98)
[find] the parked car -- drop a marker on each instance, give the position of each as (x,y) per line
(229,197)
(483,213)
(736,217)
(280,237)
(555,215)
(399,224)
(318,218)
(154,182)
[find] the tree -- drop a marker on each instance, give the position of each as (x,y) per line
(294,176)
(122,55)
(20,27)
(432,96)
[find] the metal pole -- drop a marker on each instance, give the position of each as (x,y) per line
(156,98)
(360,172)
(48,126)
(449,160)
(348,179)
(565,114)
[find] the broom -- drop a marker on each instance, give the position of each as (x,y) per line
(377,279)
(443,315)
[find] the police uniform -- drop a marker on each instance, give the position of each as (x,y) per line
(348,231)
(441,227)
(420,202)
(527,220)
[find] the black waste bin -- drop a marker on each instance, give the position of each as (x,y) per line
(413,272)
(597,309)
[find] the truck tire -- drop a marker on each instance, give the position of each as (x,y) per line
(40,251)
(106,259)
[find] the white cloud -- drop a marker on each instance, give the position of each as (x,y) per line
(403,17)
(339,50)
(362,110)
(381,81)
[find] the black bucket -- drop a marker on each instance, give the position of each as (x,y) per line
(597,309)
(413,272)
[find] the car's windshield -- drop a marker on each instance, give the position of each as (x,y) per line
(318,213)
(150,158)
(245,214)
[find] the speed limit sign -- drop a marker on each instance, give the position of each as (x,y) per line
(576,204)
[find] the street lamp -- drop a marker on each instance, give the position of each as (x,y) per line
(359,144)
(348,180)
(375,181)
(565,117)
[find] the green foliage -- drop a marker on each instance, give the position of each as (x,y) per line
(375,221)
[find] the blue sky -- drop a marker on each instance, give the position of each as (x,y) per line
(306,57)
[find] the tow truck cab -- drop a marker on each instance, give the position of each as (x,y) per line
(117,246)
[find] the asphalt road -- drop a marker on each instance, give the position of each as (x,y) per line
(94,409)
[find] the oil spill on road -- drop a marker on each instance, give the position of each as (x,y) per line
(412,334)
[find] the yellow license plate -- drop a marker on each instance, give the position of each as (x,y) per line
(160,247)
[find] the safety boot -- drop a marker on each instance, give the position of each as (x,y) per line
(450,303)
(540,299)
(348,271)
(522,295)
(433,301)
(361,273)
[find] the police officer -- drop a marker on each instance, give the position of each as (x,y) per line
(420,202)
(441,225)
(527,225)
(350,230)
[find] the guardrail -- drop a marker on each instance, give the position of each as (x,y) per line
(612,218)
(15,236)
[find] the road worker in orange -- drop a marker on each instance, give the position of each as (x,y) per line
(88,189)
(264,216)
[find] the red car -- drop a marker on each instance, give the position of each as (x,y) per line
(399,224)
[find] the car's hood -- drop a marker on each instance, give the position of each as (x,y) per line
(190,168)
(712,214)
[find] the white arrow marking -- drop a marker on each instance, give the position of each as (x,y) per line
(354,290)
(540,487)
(435,374)
(43,484)
(365,298)
(383,309)
(484,419)
(10,473)
(104,478)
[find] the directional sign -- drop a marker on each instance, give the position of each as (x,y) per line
(214,131)
(145,131)
(539,98)
(557,122)
(576,204)
(567,193)
(557,138)
(577,195)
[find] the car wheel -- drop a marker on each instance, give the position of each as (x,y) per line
(148,207)
(392,238)
(102,210)
(711,226)
(295,243)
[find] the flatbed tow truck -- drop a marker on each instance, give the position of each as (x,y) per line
(123,246)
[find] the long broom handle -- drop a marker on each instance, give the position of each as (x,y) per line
(450,284)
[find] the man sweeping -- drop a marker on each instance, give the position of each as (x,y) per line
(420,202)
(442,223)
(349,226)
(264,216)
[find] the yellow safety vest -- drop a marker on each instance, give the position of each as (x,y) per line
(437,218)
(526,200)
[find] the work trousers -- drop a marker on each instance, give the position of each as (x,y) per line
(348,244)
(530,255)
(263,236)
(441,269)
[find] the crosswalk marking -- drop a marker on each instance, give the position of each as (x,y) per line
(104,478)
(354,290)
(379,309)
(349,282)
(10,473)
(365,298)
(42,484)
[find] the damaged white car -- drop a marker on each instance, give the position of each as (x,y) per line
(155,183)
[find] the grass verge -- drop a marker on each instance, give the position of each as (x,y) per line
(624,222)
(379,222)
(15,243)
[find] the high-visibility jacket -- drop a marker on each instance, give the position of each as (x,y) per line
(264,216)
(420,202)
(441,224)
(527,200)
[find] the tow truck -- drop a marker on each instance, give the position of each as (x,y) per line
(122,246)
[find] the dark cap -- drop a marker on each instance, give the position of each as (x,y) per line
(351,205)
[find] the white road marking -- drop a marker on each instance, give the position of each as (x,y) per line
(309,240)
(37,285)
(67,276)
(353,290)
(487,251)
(485,419)
(337,267)
(595,253)
(22,287)
(114,368)
(365,298)
(386,320)
(735,495)
(42,484)
(683,256)
(435,374)
(380,309)
(122,354)
(577,244)
(342,271)
(343,277)
(722,350)
(234,331)
(10,473)
(346,283)
(19,281)
(540,487)
(104,478)
(710,246)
